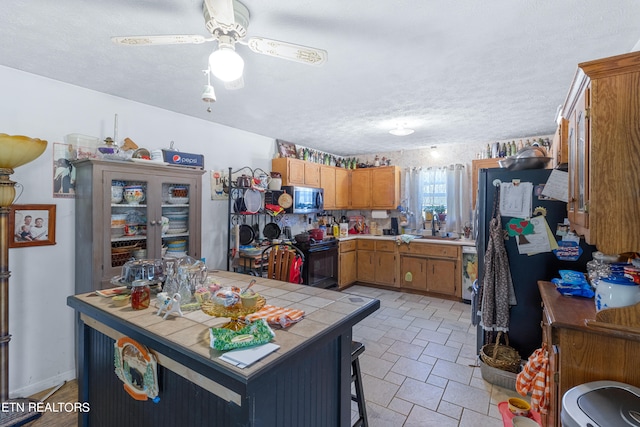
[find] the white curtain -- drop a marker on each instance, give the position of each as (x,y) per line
(458,203)
(413,196)
(421,186)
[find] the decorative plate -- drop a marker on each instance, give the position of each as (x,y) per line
(285,200)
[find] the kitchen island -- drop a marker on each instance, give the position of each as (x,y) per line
(306,382)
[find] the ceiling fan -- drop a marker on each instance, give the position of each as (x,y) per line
(227,21)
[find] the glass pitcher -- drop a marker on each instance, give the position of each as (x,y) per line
(191,273)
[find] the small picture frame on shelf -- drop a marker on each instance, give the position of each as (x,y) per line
(32,225)
(287,149)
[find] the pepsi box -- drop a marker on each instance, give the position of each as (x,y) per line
(180,158)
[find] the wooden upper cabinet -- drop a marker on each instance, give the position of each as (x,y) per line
(603,110)
(342,188)
(328,183)
(385,187)
(375,188)
(297,172)
(360,188)
(476,165)
(311,174)
(368,188)
(561,142)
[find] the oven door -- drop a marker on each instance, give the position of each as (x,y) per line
(320,268)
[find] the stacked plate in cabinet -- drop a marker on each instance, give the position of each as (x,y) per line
(178,221)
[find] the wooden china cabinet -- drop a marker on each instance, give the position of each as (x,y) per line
(101,251)
(602,110)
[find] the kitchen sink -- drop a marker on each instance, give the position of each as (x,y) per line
(438,238)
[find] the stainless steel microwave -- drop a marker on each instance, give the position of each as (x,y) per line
(305,200)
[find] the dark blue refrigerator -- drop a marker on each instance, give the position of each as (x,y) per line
(525,332)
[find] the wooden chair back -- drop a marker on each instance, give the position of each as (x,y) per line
(277,261)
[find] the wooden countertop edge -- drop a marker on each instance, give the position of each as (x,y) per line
(579,314)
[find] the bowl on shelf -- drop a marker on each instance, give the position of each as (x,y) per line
(179,192)
(117,231)
(140,253)
(178,200)
(134,194)
(118,220)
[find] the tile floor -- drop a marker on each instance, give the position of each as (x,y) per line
(419,364)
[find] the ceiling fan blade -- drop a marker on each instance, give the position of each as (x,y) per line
(221,11)
(160,40)
(235,84)
(290,51)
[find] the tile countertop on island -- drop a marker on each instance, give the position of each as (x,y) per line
(323,309)
(311,369)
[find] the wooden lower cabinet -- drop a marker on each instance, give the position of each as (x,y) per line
(579,353)
(347,263)
(376,262)
(441,275)
(431,268)
(413,273)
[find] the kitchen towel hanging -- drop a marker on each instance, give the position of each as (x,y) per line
(534,379)
(497,288)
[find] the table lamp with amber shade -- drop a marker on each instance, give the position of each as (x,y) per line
(15,151)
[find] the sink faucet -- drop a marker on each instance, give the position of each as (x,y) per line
(434,220)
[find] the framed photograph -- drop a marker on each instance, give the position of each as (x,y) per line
(287,149)
(64,173)
(32,225)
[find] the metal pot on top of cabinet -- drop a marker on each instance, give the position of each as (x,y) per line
(110,227)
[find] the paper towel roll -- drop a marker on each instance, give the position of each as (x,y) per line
(379,214)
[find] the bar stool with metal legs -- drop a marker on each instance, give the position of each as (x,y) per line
(357,348)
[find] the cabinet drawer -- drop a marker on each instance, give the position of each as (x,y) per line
(347,246)
(445,251)
(366,244)
(385,246)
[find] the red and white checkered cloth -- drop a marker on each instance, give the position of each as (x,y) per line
(534,378)
(276,316)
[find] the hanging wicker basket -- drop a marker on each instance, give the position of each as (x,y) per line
(501,356)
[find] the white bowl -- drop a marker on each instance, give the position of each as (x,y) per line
(178,200)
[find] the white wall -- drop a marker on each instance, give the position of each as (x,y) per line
(41,352)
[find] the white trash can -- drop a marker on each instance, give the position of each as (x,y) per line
(601,404)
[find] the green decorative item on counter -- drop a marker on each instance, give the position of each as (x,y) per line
(255,333)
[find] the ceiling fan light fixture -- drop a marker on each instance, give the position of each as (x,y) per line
(208,94)
(226,64)
(401,131)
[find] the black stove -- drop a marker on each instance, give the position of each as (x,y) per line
(320,266)
(317,245)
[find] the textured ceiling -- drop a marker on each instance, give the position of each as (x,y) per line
(463,71)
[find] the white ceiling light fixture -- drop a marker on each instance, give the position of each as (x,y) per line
(225,63)
(208,94)
(400,130)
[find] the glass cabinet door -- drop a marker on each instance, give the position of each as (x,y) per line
(150,218)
